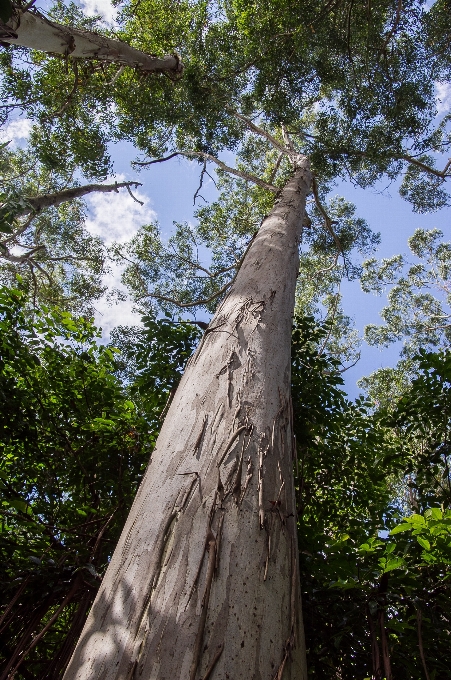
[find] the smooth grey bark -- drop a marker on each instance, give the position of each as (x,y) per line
(38,203)
(31,29)
(204,581)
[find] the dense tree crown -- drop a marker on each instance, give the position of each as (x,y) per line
(352,498)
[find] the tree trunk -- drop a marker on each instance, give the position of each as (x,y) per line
(31,29)
(204,581)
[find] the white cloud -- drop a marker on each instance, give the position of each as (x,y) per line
(109,315)
(102,7)
(443,97)
(116,217)
(16,131)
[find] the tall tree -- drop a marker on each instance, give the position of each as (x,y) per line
(220,480)
(205,575)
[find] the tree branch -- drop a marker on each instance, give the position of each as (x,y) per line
(394,27)
(346,368)
(443,174)
(208,157)
(212,297)
(287,139)
(327,220)
(157,160)
(260,131)
(276,167)
(190,304)
(39,203)
(33,30)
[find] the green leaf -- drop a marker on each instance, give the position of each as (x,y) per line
(416,519)
(434,513)
(400,529)
(395,563)
(22,506)
(424,543)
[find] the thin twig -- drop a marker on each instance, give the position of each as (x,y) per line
(189,304)
(212,297)
(118,74)
(134,197)
(343,370)
(276,167)
(157,160)
(201,181)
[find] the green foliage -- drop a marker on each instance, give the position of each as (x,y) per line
(352,83)
(157,273)
(169,275)
(422,416)
(12,204)
(152,359)
(371,488)
(418,311)
(424,191)
(419,300)
(438,33)
(73,449)
(373,500)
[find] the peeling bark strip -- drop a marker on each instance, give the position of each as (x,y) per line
(215,593)
(31,29)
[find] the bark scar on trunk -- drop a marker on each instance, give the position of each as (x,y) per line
(213,663)
(229,444)
(290,644)
(262,451)
(211,545)
(199,439)
(249,473)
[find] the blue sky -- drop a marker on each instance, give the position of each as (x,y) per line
(168,190)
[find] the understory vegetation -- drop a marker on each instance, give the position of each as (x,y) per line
(373,490)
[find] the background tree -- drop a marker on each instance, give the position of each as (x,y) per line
(373,501)
(418,309)
(43,233)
